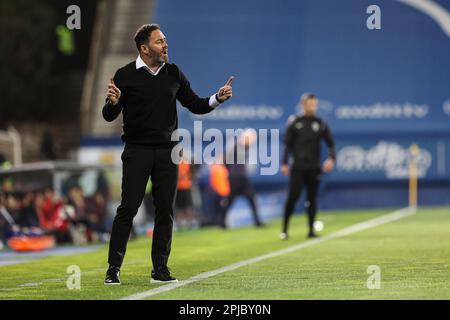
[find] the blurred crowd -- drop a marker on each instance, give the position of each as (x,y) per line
(72,218)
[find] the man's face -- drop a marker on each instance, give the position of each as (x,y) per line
(157,49)
(310,107)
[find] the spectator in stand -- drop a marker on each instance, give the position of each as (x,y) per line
(76,199)
(12,205)
(96,213)
(51,217)
(28,215)
(17,216)
(4,223)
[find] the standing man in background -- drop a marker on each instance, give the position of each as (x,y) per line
(145,91)
(303,137)
(240,184)
(219,191)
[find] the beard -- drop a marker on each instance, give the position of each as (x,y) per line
(158,58)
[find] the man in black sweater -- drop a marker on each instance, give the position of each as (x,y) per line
(145,91)
(303,137)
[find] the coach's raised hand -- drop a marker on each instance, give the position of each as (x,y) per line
(113,93)
(226,92)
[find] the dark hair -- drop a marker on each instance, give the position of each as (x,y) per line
(307,96)
(143,33)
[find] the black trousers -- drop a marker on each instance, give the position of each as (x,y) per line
(240,186)
(310,177)
(218,205)
(138,164)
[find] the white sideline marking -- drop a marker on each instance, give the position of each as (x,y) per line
(390,217)
(37,284)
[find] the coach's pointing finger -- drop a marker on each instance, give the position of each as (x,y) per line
(229,81)
(226,91)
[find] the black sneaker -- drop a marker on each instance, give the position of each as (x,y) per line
(162,275)
(112,276)
(312,235)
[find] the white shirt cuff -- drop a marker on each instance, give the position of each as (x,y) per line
(213,101)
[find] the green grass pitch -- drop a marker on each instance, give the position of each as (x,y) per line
(413,255)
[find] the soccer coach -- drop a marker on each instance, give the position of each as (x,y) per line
(145,91)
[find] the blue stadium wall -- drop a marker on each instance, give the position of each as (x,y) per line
(380,90)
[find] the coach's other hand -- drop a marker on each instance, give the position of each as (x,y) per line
(285,169)
(226,92)
(113,93)
(328,165)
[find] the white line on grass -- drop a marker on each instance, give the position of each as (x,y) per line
(390,217)
(36,284)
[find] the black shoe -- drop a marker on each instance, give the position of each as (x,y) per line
(162,275)
(223,226)
(112,276)
(312,235)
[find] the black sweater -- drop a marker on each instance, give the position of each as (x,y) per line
(302,139)
(148,104)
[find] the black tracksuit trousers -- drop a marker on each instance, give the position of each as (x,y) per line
(138,164)
(240,185)
(310,177)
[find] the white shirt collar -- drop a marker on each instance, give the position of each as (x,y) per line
(141,64)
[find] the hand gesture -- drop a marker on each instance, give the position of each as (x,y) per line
(285,169)
(226,91)
(113,93)
(328,165)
